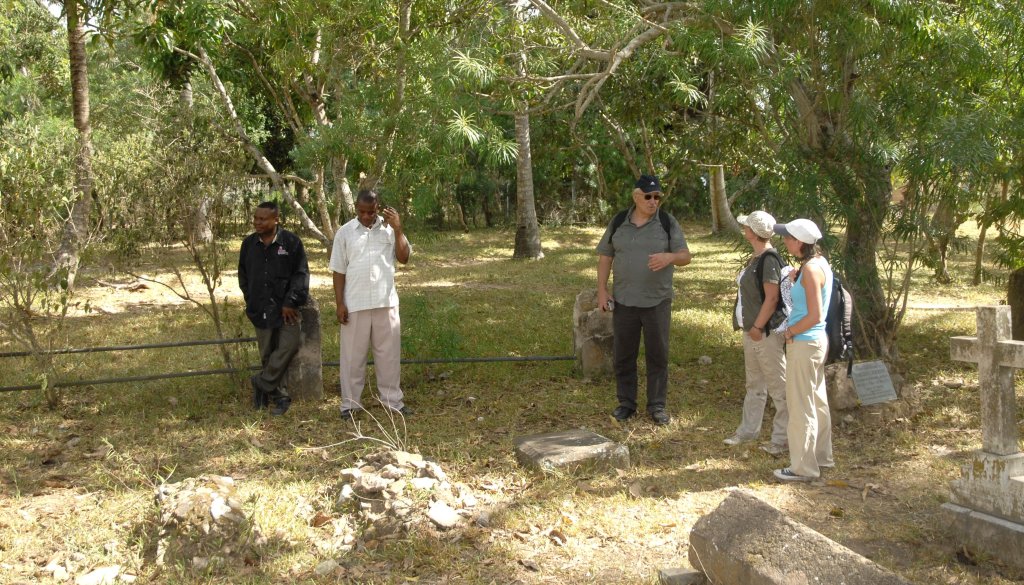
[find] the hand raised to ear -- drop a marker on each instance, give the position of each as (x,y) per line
(391,218)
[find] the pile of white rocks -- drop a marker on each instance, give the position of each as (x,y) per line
(395,491)
(202,524)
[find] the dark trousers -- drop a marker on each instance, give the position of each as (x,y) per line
(277,348)
(628,324)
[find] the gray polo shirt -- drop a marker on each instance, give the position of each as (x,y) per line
(749,294)
(635,284)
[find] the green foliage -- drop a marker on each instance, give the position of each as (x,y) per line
(35,196)
(34,74)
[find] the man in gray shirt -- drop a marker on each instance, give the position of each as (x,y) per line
(641,247)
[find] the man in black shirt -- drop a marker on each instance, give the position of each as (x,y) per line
(273,273)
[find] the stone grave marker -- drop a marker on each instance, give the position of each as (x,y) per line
(987,502)
(872,382)
(305,376)
(746,540)
(592,336)
(568,450)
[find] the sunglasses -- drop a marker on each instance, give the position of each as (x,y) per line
(649,196)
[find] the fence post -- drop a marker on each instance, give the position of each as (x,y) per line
(305,377)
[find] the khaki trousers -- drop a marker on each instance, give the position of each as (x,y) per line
(765,364)
(810,423)
(380,329)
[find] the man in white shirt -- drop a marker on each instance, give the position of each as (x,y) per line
(363,264)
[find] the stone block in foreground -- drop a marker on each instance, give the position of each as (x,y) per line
(681,576)
(747,541)
(571,450)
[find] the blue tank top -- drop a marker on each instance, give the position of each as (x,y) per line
(800,301)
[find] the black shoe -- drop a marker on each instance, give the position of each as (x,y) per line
(281,406)
(259,397)
(349,414)
(660,416)
(622,413)
(404,411)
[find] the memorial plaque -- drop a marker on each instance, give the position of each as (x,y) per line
(872,382)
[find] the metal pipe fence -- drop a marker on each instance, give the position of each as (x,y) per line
(221,371)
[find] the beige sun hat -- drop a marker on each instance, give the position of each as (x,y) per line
(760,222)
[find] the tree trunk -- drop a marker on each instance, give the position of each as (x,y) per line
(943,225)
(874,320)
(722,219)
(979,252)
(76,229)
(462,217)
(201,230)
(1015,298)
(327,222)
(346,209)
(199,224)
(527,230)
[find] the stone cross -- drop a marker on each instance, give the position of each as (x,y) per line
(997,355)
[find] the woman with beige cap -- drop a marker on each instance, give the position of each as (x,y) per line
(810,423)
(759,313)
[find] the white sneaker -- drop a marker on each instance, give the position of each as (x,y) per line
(736,440)
(786,474)
(775,450)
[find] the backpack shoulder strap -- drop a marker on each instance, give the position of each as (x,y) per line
(760,268)
(617,221)
(666,223)
(620,218)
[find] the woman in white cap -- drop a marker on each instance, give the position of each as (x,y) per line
(810,423)
(759,313)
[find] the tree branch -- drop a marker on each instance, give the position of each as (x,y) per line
(250,146)
(568,31)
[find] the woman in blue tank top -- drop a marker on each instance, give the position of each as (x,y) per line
(810,423)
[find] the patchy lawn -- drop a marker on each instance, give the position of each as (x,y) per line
(77,483)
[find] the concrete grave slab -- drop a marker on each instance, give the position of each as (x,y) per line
(747,541)
(570,450)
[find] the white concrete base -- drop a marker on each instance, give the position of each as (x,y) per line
(998,537)
(992,484)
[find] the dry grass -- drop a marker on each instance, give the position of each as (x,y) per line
(77,483)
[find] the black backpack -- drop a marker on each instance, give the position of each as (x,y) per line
(839,326)
(781,309)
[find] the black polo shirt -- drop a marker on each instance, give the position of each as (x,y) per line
(272,276)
